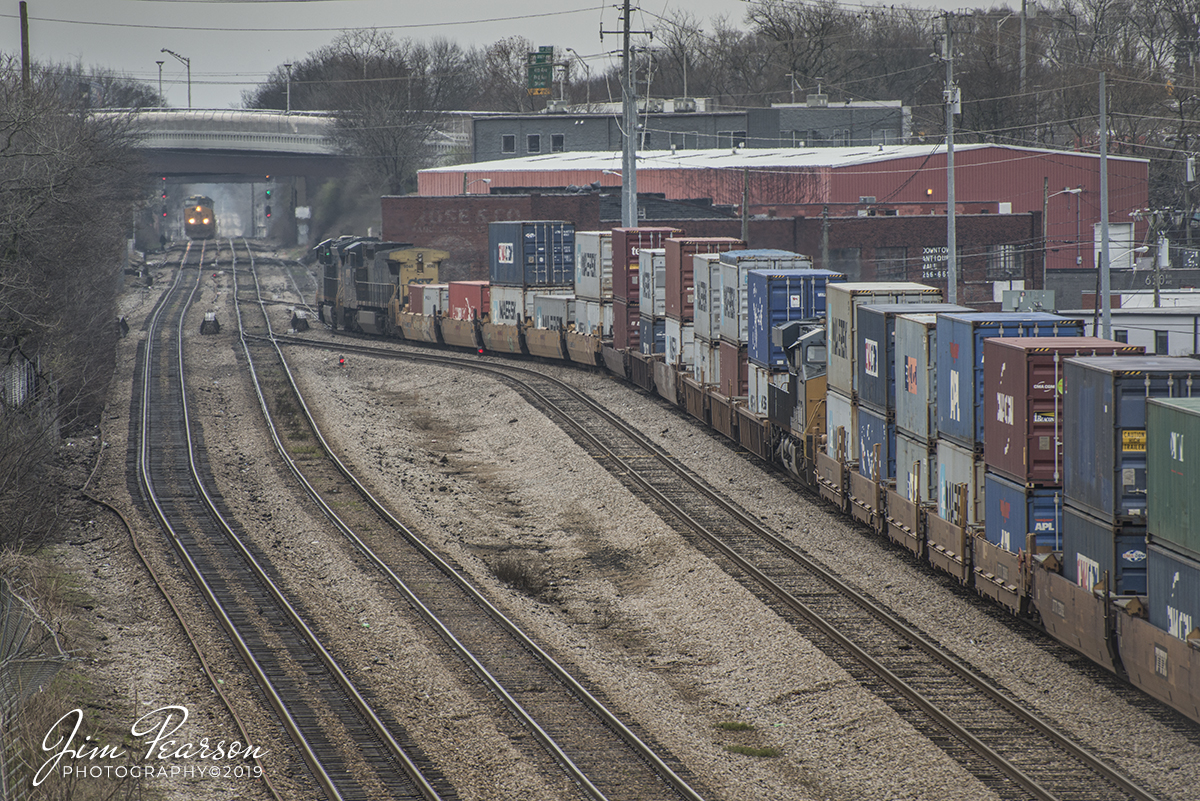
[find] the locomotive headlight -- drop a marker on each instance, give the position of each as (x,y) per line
(206,221)
(191,220)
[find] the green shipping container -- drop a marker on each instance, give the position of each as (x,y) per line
(1173,471)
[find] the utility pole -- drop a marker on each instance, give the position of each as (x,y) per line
(161,101)
(187,62)
(289,87)
(951,98)
(629,210)
(1106,310)
(25,46)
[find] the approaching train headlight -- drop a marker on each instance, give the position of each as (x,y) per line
(191,220)
(206,221)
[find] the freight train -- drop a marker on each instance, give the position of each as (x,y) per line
(199,220)
(1046,470)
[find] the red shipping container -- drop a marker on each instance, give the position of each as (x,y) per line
(415,298)
(470,300)
(1022,402)
(626,325)
(681,268)
(735,370)
(627,243)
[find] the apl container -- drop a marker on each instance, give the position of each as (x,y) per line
(470,300)
(1104,428)
(876,346)
(916,376)
(594,317)
(652,334)
(707,369)
(735,370)
(841,412)
(553,312)
(958,465)
(627,244)
(1092,547)
(875,429)
(1173,586)
(916,469)
(435,299)
(532,254)
(777,296)
(1173,474)
(593,265)
(681,343)
(735,269)
(1014,511)
(1023,382)
(627,326)
(652,297)
(843,301)
(680,281)
(706,312)
(960,363)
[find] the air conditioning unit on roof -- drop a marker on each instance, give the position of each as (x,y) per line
(557,107)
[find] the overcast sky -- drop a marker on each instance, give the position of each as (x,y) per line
(233,46)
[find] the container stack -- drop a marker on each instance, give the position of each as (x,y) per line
(470,300)
(652,300)
(1105,464)
(1173,488)
(706,318)
(594,283)
(877,372)
(680,303)
(529,258)
(916,407)
(843,301)
(627,245)
(1023,418)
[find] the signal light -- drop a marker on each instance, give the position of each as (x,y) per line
(268,211)
(268,193)
(164,211)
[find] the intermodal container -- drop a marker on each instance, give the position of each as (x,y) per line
(761,383)
(416,298)
(1173,473)
(916,370)
(706,269)
(532,253)
(680,343)
(1023,383)
(841,413)
(626,325)
(916,468)
(876,429)
(959,465)
(435,299)
(680,279)
(652,297)
(777,296)
(470,300)
(1173,587)
(627,244)
(707,369)
(1013,511)
(553,312)
(735,269)
(842,303)
(875,342)
(1092,547)
(514,304)
(735,370)
(594,318)
(652,334)
(960,363)
(1104,428)
(593,265)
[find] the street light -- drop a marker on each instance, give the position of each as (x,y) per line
(1045,211)
(468,184)
(587,71)
(187,62)
(160,94)
(289,88)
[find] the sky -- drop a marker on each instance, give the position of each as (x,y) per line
(233,46)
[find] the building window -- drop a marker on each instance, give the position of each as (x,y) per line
(558,143)
(533,143)
(1002,263)
(684,140)
(731,139)
(1121,335)
(846,260)
(891,264)
(1161,344)
(508,143)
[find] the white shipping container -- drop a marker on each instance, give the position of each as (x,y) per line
(761,380)
(594,317)
(841,412)
(706,300)
(841,305)
(513,304)
(734,317)
(593,265)
(652,272)
(435,299)
(957,465)
(681,343)
(707,366)
(553,312)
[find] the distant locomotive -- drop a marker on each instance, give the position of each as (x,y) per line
(199,222)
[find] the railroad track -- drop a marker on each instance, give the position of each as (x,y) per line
(349,752)
(605,757)
(1007,747)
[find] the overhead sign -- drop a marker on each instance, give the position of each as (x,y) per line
(540,71)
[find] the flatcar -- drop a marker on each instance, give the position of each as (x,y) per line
(199,220)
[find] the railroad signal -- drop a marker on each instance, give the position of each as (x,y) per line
(164,188)
(164,211)
(268,211)
(268,194)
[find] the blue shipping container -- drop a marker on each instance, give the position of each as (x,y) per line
(532,253)
(1173,584)
(777,296)
(653,333)
(876,363)
(1104,427)
(1013,511)
(874,429)
(960,363)
(1093,547)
